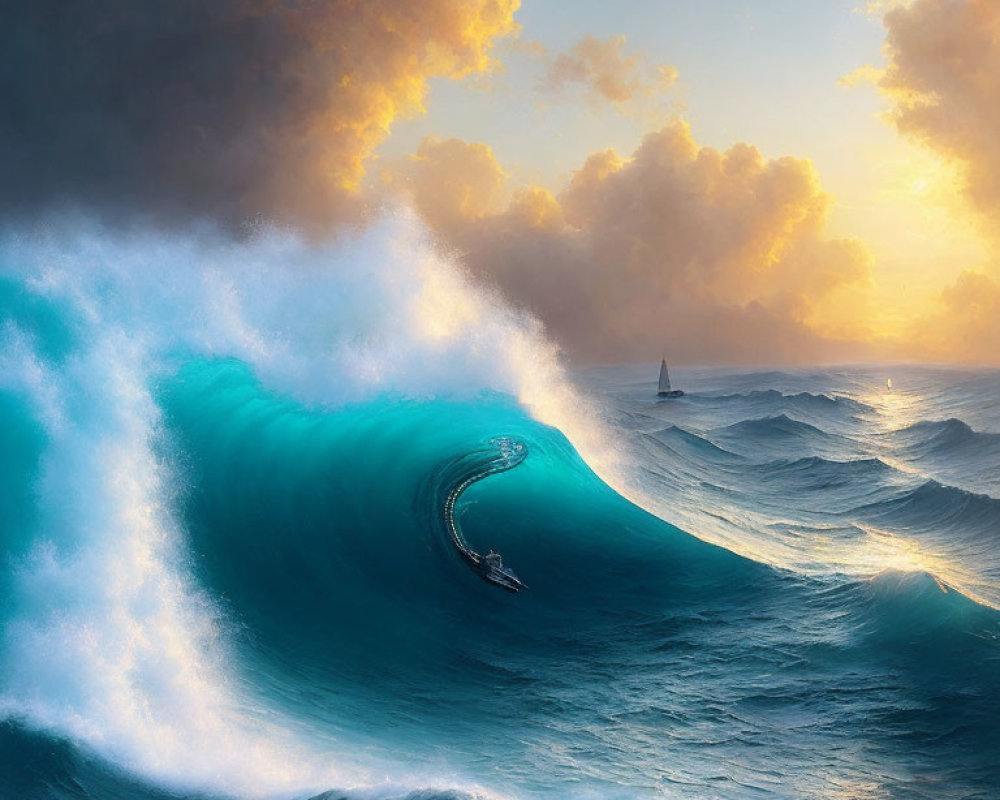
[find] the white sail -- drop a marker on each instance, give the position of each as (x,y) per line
(664,377)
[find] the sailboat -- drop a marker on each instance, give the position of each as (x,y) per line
(664,389)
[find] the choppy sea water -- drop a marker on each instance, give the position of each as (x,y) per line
(227,572)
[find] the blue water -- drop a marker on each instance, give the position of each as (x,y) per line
(227,572)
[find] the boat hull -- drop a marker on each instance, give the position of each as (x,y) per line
(505,581)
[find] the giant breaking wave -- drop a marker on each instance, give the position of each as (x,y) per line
(227,575)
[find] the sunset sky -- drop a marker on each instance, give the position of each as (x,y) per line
(790,78)
(734,181)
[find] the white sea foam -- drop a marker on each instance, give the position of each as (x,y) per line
(112,645)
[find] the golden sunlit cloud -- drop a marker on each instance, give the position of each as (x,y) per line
(966,327)
(880,7)
(943,78)
(606,73)
(713,255)
(865,74)
(470,182)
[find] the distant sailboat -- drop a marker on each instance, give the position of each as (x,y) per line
(888,383)
(664,389)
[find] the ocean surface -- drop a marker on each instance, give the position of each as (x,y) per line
(226,570)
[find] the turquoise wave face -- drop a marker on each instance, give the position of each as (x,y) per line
(217,584)
(327,526)
(323,531)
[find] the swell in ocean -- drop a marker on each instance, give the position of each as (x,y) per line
(229,575)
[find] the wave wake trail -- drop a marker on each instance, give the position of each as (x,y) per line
(489,567)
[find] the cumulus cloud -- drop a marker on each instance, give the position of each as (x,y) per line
(967,328)
(709,256)
(450,181)
(228,108)
(944,78)
(606,73)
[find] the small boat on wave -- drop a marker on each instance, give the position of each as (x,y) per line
(492,570)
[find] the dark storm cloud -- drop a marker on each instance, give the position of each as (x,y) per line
(228,108)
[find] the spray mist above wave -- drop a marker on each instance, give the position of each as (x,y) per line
(111,643)
(328,323)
